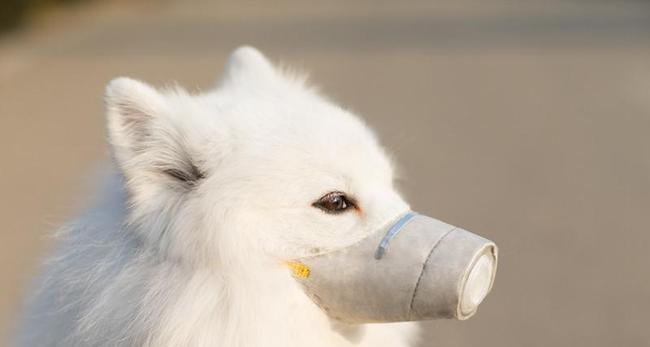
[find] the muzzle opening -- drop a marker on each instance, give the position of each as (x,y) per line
(479,282)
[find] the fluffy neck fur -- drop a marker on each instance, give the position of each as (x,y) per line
(132,295)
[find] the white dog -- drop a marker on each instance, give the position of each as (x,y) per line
(188,244)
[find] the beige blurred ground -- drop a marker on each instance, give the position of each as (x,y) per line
(529,124)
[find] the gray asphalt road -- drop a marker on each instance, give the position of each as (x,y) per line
(527,124)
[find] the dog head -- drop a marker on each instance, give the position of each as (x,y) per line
(261,161)
(264,170)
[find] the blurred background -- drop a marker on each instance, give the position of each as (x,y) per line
(524,121)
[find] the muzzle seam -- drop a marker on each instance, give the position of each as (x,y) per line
(426,261)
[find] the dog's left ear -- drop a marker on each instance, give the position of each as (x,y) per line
(149,142)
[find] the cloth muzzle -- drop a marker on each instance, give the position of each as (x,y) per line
(416,268)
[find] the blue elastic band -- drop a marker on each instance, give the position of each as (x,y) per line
(392,232)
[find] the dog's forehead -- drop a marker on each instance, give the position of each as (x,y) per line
(337,145)
(321,129)
(290,115)
(293,126)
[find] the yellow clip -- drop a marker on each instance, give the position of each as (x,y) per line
(299,269)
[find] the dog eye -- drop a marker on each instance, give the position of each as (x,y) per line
(334,202)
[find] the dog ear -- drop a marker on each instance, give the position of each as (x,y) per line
(148,142)
(248,64)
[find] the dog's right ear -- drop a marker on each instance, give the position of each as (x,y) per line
(246,65)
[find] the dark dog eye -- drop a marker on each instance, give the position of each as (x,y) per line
(334,202)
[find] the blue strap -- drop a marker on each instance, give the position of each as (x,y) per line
(392,232)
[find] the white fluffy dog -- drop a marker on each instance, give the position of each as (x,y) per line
(188,244)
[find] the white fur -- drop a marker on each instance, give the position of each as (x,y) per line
(162,262)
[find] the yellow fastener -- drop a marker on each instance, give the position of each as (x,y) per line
(299,269)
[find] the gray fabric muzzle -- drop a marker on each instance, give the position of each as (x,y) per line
(416,268)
